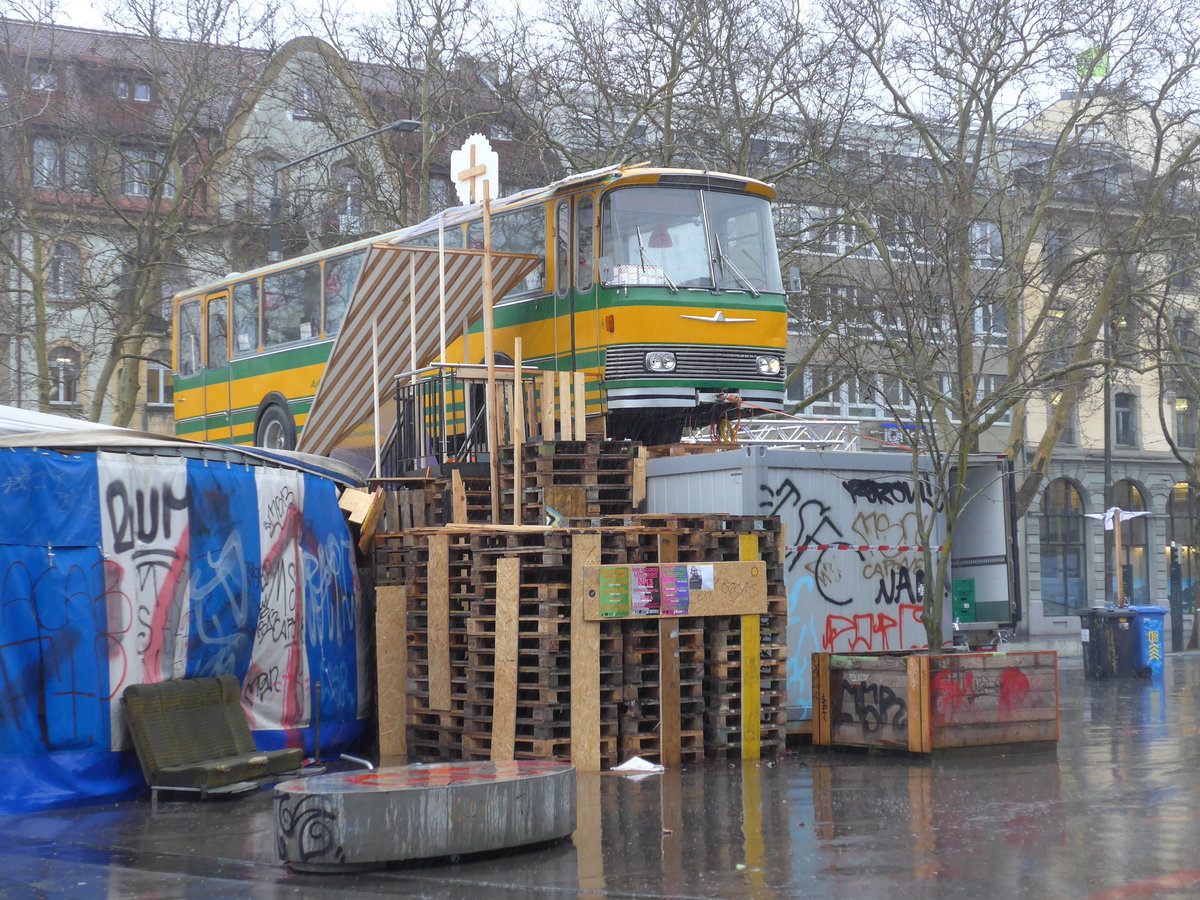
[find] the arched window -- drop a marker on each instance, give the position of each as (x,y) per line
(1063,549)
(1135,543)
(64,376)
(1181,530)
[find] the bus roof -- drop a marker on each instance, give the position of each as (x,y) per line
(459,215)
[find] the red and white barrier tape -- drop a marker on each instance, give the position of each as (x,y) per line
(865,548)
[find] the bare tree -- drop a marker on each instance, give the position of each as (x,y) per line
(965,259)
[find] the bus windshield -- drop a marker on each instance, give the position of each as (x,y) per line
(687,238)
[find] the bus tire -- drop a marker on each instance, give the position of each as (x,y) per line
(276,429)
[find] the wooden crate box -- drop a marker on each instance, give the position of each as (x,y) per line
(924,702)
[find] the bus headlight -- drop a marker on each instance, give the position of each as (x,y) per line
(768,365)
(660,361)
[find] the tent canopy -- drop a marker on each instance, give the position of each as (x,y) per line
(385,300)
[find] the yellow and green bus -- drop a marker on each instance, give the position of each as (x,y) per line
(662,284)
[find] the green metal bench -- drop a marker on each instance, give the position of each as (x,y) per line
(191,735)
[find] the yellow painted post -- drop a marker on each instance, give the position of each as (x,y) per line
(751,674)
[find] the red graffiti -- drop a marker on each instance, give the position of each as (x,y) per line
(875,631)
(955,691)
(164,608)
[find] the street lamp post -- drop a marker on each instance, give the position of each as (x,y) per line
(275,243)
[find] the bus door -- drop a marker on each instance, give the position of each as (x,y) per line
(218,391)
(564,326)
(586,319)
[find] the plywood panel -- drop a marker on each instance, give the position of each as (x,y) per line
(439,622)
(391,670)
(585,659)
(726,589)
(504,693)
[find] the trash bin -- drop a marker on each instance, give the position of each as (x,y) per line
(1150,639)
(1111,643)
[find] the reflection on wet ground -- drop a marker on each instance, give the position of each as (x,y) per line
(1109,816)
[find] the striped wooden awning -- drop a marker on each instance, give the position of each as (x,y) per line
(384,299)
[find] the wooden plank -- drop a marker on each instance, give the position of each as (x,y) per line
(738,588)
(751,652)
(518,428)
(639,480)
(916,721)
(458,498)
(504,684)
(565,419)
(438,624)
(585,660)
(670,714)
(569,500)
(580,403)
(547,408)
(820,699)
(391,670)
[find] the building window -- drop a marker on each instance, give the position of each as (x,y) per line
(64,376)
(60,165)
(1185,422)
(1069,434)
(987,245)
(1135,553)
(1125,420)
(132,88)
(43,79)
(305,102)
(262,184)
(64,273)
(160,387)
(1181,550)
(351,217)
(1063,550)
(146,169)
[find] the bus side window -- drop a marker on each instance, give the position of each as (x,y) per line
(339,282)
(291,305)
(584,224)
(245,317)
(562,247)
(189,338)
(218,332)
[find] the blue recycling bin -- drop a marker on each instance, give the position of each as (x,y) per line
(1150,647)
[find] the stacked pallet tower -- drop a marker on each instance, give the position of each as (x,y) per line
(502,642)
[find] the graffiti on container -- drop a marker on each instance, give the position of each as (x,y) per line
(899,629)
(979,690)
(868,704)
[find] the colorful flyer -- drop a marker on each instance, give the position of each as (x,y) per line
(676,595)
(614,592)
(644,590)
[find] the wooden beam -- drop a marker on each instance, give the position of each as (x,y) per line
(547,408)
(565,419)
(751,675)
(585,660)
(439,622)
(489,354)
(504,686)
(580,394)
(518,429)
(671,718)
(391,670)
(458,498)
(639,480)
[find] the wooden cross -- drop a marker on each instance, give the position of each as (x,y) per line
(471,174)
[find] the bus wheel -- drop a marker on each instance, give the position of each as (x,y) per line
(275,430)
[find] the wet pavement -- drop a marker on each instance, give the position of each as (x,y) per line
(1110,815)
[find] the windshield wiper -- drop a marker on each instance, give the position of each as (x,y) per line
(644,256)
(722,260)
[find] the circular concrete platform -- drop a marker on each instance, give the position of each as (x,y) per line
(348,821)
